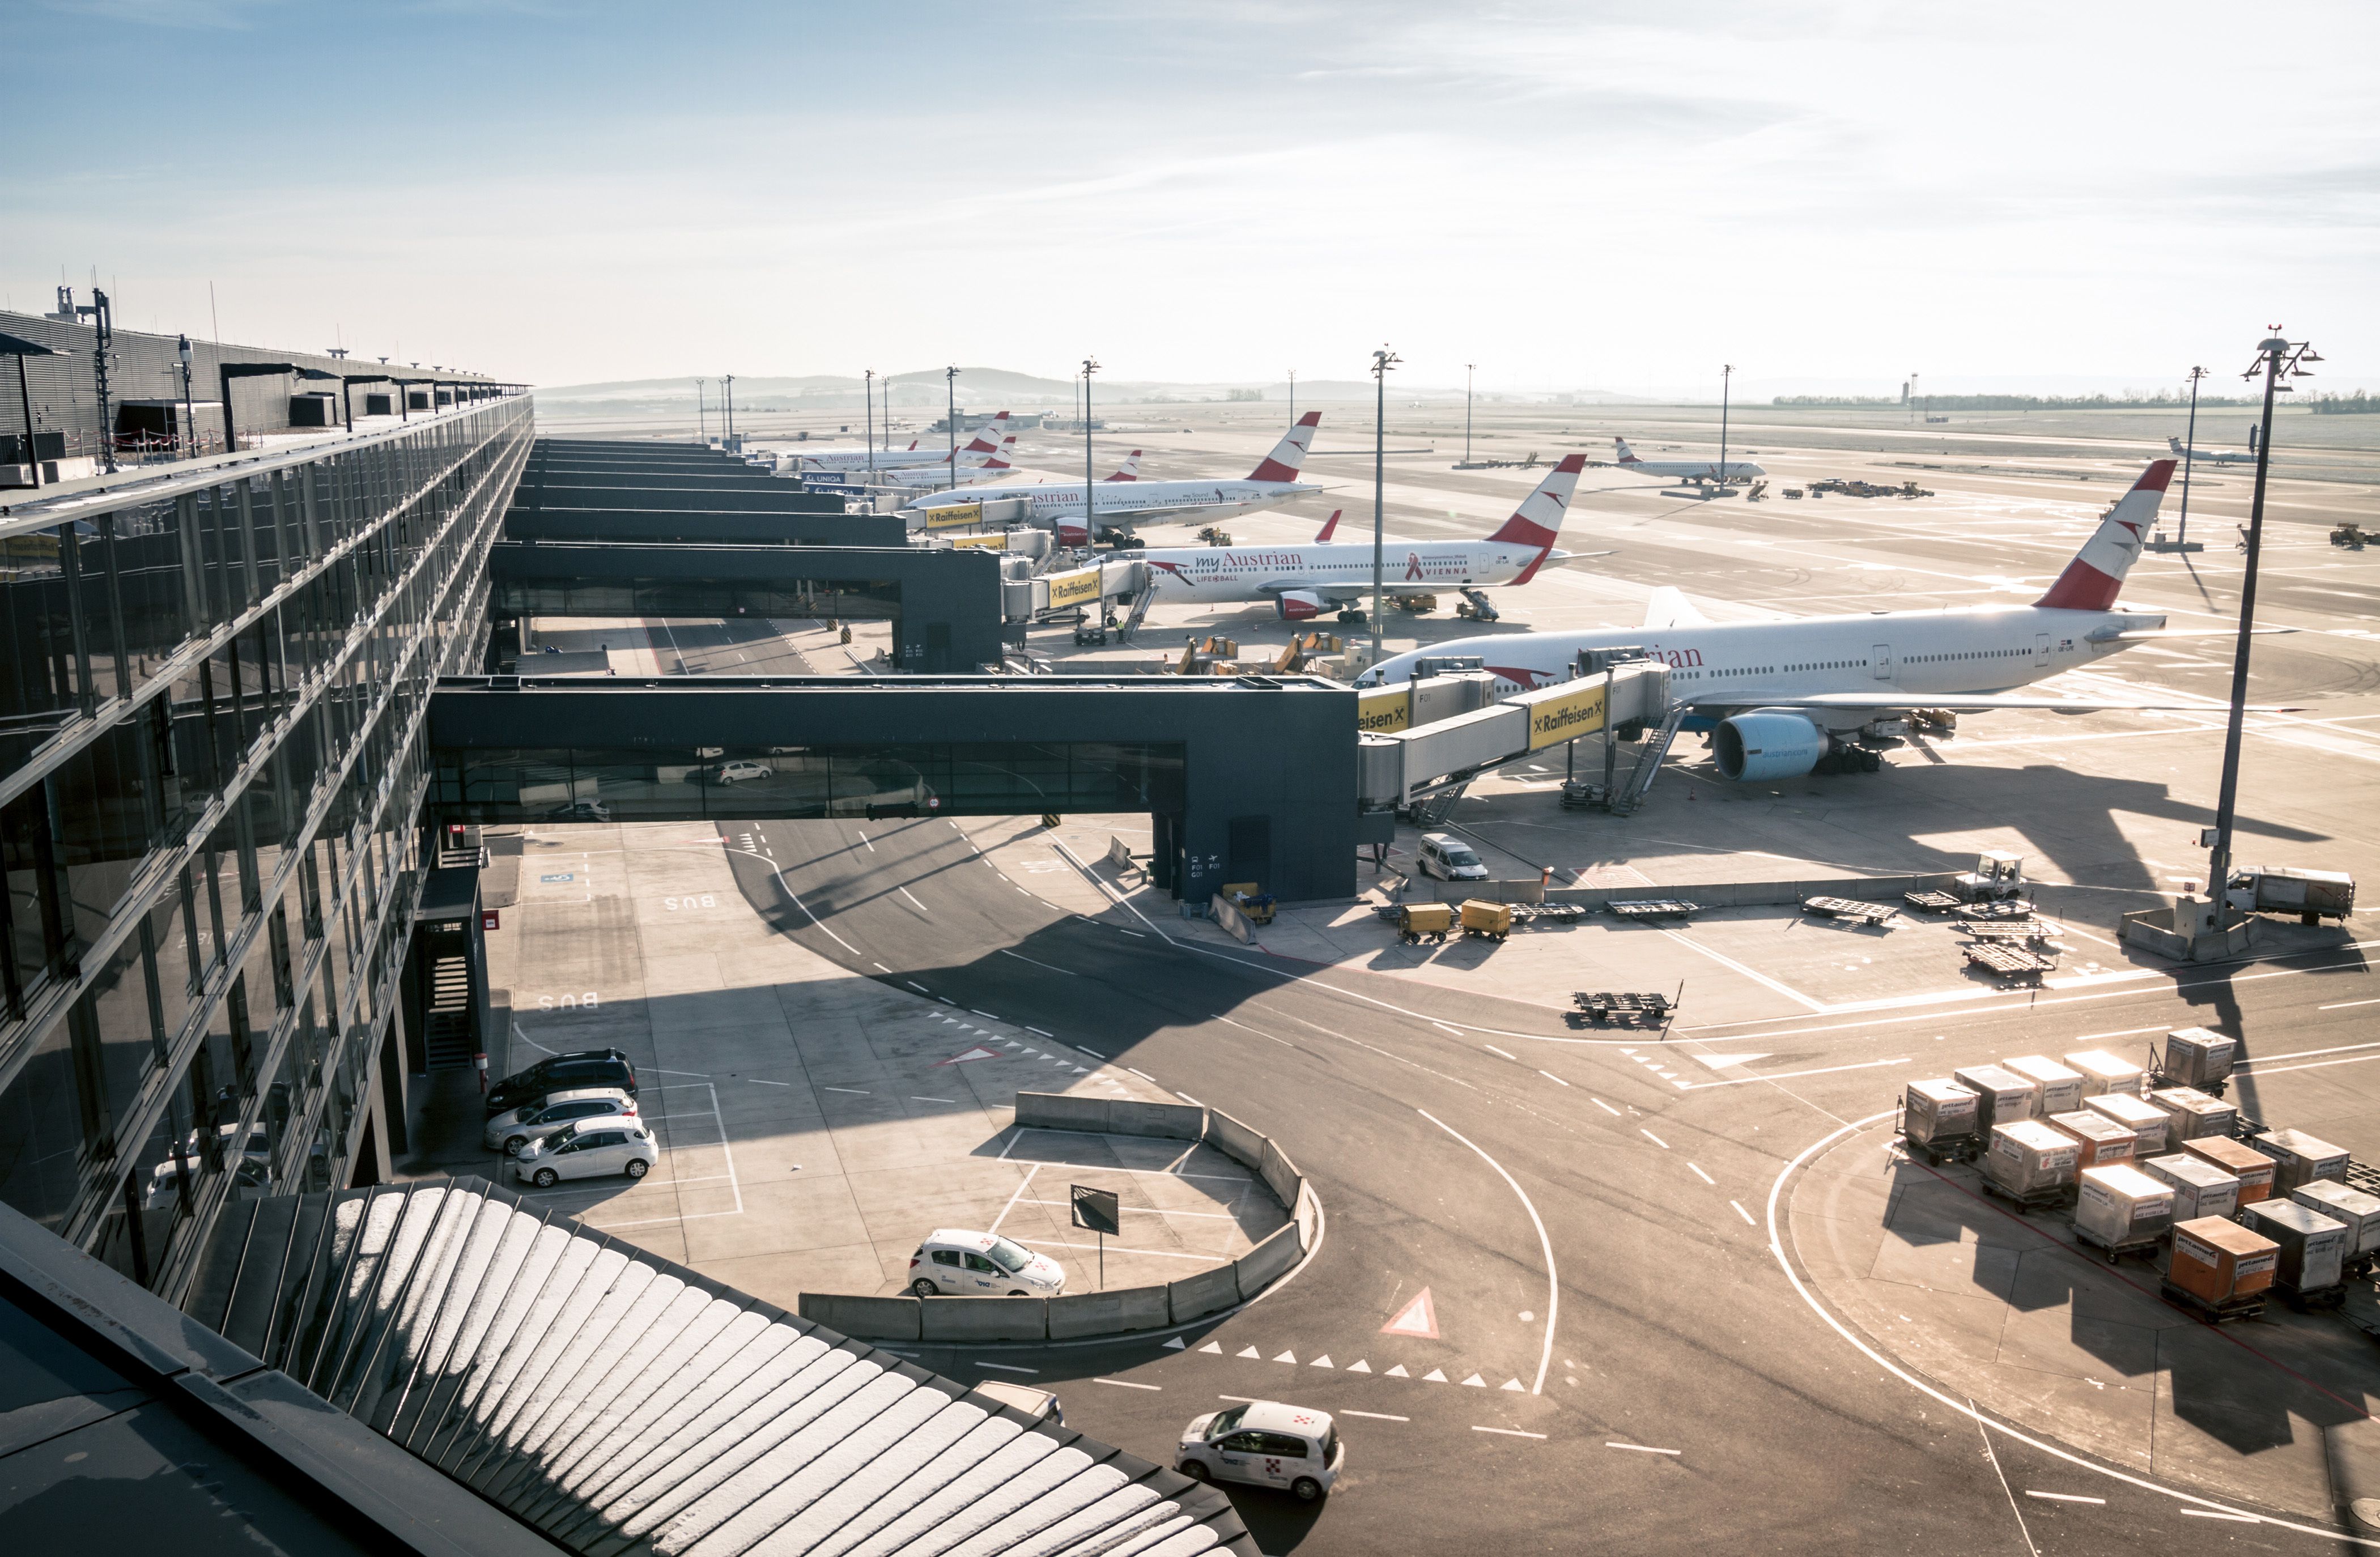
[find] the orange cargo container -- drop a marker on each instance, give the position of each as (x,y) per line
(2215,1259)
(2242,1161)
(2100,1142)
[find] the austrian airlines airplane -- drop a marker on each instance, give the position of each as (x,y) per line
(984,444)
(1304,581)
(2208,456)
(1058,505)
(1784,699)
(1696,470)
(998,467)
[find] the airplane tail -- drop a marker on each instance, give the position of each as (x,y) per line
(999,461)
(1130,469)
(1669,609)
(1536,523)
(985,442)
(2174,444)
(1328,525)
(1288,456)
(2092,579)
(1627,455)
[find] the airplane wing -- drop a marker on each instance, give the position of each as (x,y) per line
(1560,558)
(1670,608)
(1967,702)
(2182,632)
(1328,591)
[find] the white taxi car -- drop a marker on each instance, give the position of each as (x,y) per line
(588,1149)
(541,1118)
(1265,1443)
(954,1262)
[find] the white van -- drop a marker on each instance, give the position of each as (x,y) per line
(1450,858)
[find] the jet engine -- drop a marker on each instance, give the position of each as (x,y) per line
(1768,743)
(1300,605)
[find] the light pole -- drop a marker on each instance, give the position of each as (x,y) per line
(701,414)
(870,393)
(951,424)
(1292,397)
(2275,357)
(1470,375)
(1383,360)
(2188,452)
(1091,487)
(189,428)
(1913,396)
(728,392)
(1726,382)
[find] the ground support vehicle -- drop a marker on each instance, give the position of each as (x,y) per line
(1488,921)
(2312,896)
(1418,920)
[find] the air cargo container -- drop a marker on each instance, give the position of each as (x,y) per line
(2220,1264)
(2195,1058)
(2147,1122)
(2098,1140)
(2190,1114)
(2061,1089)
(2001,1096)
(2200,1188)
(2104,1072)
(2242,1161)
(2121,1208)
(2351,1209)
(2300,1159)
(2313,1248)
(1939,1115)
(2029,1161)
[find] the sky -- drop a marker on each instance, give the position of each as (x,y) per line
(2005,196)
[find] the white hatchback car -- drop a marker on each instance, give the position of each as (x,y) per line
(1265,1443)
(588,1149)
(741,768)
(953,1262)
(541,1118)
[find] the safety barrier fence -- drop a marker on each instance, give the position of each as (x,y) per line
(1707,894)
(1080,1314)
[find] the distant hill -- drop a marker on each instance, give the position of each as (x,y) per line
(978,387)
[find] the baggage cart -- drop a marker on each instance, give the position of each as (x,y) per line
(2352,1209)
(2001,1096)
(1418,920)
(2313,1251)
(2103,1073)
(2193,1057)
(2300,1159)
(2099,1141)
(2122,1210)
(2061,1089)
(2190,1114)
(1488,921)
(2013,962)
(2244,1163)
(2147,1122)
(1937,1120)
(2221,1269)
(1853,909)
(1930,902)
(1638,1007)
(1651,908)
(2029,1165)
(2200,1188)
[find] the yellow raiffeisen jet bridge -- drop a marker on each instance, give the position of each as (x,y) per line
(1398,763)
(1245,779)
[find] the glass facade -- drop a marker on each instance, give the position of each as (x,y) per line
(213,761)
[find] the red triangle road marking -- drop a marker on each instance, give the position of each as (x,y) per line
(978,1052)
(1417,1317)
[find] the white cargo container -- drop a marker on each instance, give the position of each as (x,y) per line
(2195,1058)
(2028,1158)
(2147,1122)
(2299,1158)
(2119,1208)
(2313,1248)
(1937,1112)
(2103,1072)
(2200,1188)
(2192,1116)
(2001,1096)
(2351,1209)
(2061,1089)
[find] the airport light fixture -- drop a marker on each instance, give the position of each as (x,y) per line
(951,424)
(870,393)
(727,392)
(1292,397)
(2276,358)
(1383,361)
(701,414)
(1470,376)
(189,431)
(2188,452)
(1091,487)
(1726,382)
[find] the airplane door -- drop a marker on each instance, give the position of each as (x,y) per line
(2041,649)
(1882,653)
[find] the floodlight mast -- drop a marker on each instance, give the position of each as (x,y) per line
(1383,362)
(2188,452)
(1470,376)
(1090,488)
(870,393)
(2275,357)
(951,424)
(1726,384)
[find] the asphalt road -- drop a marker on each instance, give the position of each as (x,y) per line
(1593,1237)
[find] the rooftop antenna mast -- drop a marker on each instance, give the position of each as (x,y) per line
(103,318)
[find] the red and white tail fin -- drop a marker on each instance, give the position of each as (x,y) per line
(1130,469)
(1288,456)
(1328,525)
(2093,579)
(913,447)
(1536,523)
(999,461)
(1627,455)
(985,442)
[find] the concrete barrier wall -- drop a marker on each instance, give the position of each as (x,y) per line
(869,1319)
(1270,1260)
(1174,1120)
(1194,1296)
(1054,1111)
(1709,895)
(1110,1313)
(1280,1175)
(1235,1139)
(1235,923)
(982,1319)
(1306,1213)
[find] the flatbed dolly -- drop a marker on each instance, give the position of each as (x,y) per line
(1852,908)
(2038,1200)
(1651,908)
(1627,1005)
(2118,1250)
(2014,962)
(2213,1313)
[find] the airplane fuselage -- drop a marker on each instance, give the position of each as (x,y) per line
(1120,501)
(1703,470)
(1223,575)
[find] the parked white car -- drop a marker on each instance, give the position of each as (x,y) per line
(954,1262)
(1450,858)
(1265,1443)
(591,1149)
(740,768)
(542,1116)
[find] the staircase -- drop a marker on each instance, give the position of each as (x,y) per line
(1433,810)
(1648,765)
(1130,623)
(448,1040)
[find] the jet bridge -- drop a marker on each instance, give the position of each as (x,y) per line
(1395,769)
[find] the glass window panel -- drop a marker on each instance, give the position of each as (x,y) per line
(150,584)
(175,936)
(887,781)
(39,681)
(116,1004)
(102,640)
(101,804)
(39,1139)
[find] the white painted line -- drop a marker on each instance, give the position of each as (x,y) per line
(1553,1282)
(880,967)
(1191,1100)
(1014,1199)
(2061,1497)
(1642,1448)
(2120,1032)
(913,901)
(1493,1050)
(1375,1415)
(1133,933)
(1007,1368)
(1092,1052)
(1161,1254)
(2313,1064)
(1697,1167)
(1039,1033)
(1510,1432)
(2345,1003)
(1651,1136)
(917,986)
(1051,966)
(916,1099)
(1553,1077)
(2308,1054)
(984,1014)
(1443,1027)
(2236,1518)
(1607,1108)
(852,1091)
(863,837)
(1126,1384)
(758,1081)
(1791,1075)
(1142,1073)
(1151,1211)
(1745,1214)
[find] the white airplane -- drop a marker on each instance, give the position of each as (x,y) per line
(2207,457)
(983,445)
(1698,471)
(1784,699)
(1304,581)
(997,466)
(1058,506)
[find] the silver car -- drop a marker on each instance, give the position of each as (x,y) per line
(591,1149)
(542,1116)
